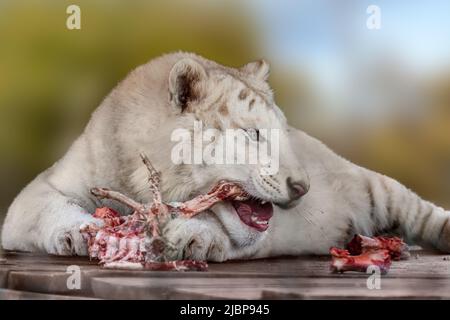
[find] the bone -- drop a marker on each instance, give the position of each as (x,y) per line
(130,241)
(135,241)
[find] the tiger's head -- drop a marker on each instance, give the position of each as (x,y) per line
(201,97)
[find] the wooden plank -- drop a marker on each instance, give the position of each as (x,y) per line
(426,265)
(426,275)
(214,294)
(3,272)
(168,288)
(7,294)
(31,259)
(399,288)
(3,277)
(54,282)
(255,288)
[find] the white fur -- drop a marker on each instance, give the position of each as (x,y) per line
(139,116)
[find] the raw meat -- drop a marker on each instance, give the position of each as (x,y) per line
(398,250)
(342,260)
(363,252)
(136,241)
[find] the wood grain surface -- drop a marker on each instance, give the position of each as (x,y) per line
(31,276)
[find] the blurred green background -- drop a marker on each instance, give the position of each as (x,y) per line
(379,97)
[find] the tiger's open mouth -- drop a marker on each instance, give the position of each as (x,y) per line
(252,211)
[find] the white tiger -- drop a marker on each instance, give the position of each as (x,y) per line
(318,199)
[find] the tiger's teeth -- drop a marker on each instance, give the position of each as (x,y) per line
(263,201)
(257,221)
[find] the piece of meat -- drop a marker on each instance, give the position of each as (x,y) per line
(342,260)
(363,252)
(135,241)
(398,250)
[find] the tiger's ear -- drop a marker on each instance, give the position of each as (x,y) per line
(185,82)
(259,69)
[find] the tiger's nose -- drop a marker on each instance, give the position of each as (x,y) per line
(296,188)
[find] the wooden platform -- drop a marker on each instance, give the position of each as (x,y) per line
(30,276)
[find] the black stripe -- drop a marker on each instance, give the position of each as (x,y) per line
(350,230)
(404,217)
(389,201)
(443,227)
(418,212)
(371,200)
(424,223)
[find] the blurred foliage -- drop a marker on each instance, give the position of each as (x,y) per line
(414,150)
(51,78)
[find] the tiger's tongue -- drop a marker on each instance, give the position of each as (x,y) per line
(253,213)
